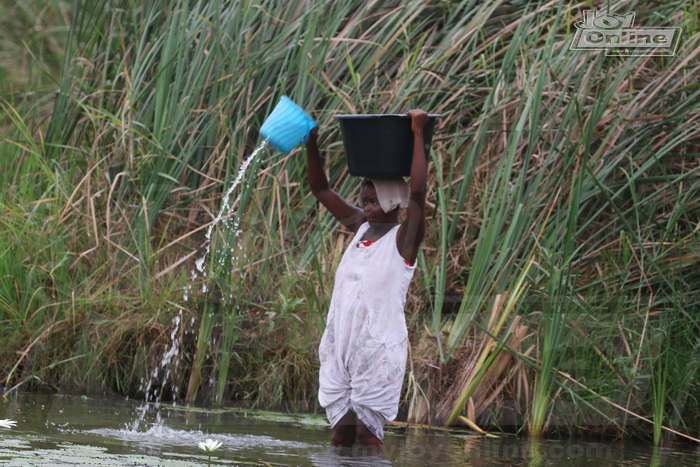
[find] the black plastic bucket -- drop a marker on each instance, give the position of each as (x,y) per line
(381,145)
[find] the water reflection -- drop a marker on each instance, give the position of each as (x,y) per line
(347,457)
(71,430)
(535,456)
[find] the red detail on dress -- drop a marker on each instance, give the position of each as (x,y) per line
(366,243)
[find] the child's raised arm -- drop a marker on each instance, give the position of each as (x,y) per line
(412,230)
(350,216)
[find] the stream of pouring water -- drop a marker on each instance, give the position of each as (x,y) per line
(223,210)
(171,358)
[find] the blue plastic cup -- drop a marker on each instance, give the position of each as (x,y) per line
(287,126)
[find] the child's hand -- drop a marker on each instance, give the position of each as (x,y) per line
(313,137)
(418,120)
(313,133)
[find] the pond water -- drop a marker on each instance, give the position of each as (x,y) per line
(59,430)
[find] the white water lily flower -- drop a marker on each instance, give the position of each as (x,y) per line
(7,423)
(209,445)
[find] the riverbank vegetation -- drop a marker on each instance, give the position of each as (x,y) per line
(557,289)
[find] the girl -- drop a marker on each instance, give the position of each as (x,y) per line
(364,347)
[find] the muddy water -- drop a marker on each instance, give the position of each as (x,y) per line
(68,430)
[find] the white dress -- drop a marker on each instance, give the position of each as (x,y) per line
(363,349)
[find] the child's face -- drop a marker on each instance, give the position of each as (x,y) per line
(370,205)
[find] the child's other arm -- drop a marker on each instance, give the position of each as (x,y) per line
(412,230)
